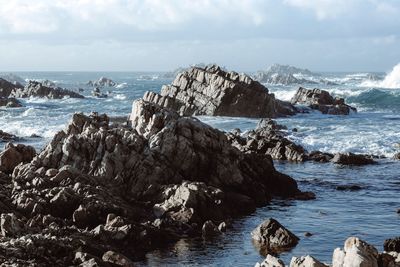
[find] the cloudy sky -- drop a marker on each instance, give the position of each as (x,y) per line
(132,35)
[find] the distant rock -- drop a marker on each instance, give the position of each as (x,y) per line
(102,82)
(321,100)
(14,79)
(37,89)
(284,75)
(213,91)
(10,102)
(352,159)
(6,88)
(272,237)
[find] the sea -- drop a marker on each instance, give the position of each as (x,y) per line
(369,213)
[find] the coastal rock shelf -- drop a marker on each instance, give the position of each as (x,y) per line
(102,193)
(212,91)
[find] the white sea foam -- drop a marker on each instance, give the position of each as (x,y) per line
(121,85)
(119,96)
(391,80)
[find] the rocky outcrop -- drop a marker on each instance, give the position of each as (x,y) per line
(10,102)
(6,88)
(102,193)
(321,100)
(352,159)
(392,244)
(12,78)
(14,155)
(212,91)
(355,253)
(7,137)
(37,89)
(272,237)
(102,82)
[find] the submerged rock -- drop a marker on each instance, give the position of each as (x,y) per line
(37,89)
(352,159)
(321,100)
(213,91)
(271,236)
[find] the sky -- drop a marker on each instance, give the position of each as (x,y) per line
(161,35)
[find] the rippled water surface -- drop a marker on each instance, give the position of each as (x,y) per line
(369,213)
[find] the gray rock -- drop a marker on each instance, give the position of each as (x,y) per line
(321,100)
(37,89)
(212,91)
(306,261)
(271,236)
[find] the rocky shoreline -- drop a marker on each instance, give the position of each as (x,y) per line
(104,192)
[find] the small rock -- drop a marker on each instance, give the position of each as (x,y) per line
(306,261)
(308,234)
(271,261)
(117,259)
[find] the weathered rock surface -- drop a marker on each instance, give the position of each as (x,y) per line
(352,159)
(270,261)
(306,261)
(355,253)
(10,102)
(392,244)
(212,91)
(271,236)
(37,89)
(321,100)
(102,82)
(100,193)
(14,155)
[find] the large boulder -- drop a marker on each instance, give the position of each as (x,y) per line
(14,155)
(356,253)
(213,91)
(321,100)
(272,237)
(37,89)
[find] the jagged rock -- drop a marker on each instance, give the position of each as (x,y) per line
(102,82)
(6,137)
(271,236)
(117,259)
(9,224)
(392,244)
(14,155)
(212,91)
(321,100)
(210,230)
(271,261)
(6,88)
(10,102)
(355,253)
(306,261)
(352,159)
(37,89)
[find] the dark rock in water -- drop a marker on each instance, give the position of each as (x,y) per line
(14,155)
(308,234)
(10,102)
(392,244)
(37,89)
(348,187)
(102,82)
(397,156)
(352,159)
(97,93)
(268,139)
(6,137)
(320,156)
(272,237)
(212,91)
(100,193)
(210,230)
(321,100)
(7,87)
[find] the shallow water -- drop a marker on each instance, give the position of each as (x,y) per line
(369,213)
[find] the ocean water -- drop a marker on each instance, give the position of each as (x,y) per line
(369,213)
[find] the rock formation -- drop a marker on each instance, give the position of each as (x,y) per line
(352,159)
(102,82)
(321,100)
(37,89)
(272,237)
(102,193)
(212,91)
(14,155)
(10,102)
